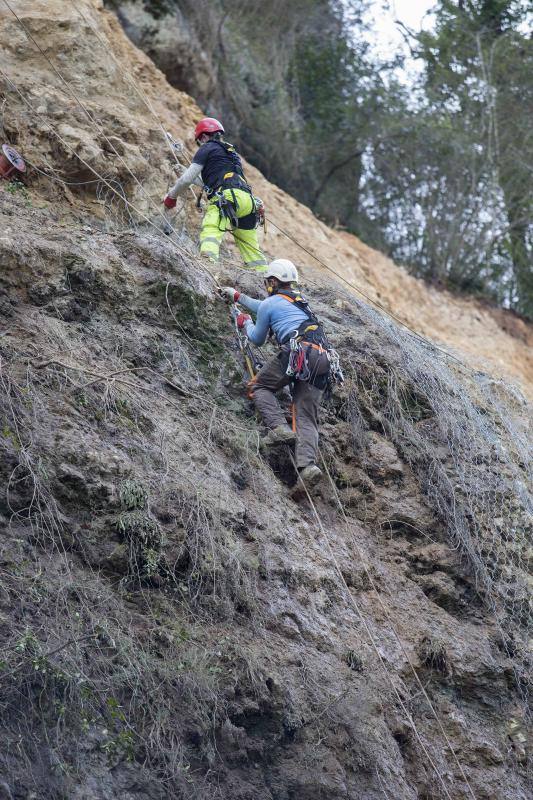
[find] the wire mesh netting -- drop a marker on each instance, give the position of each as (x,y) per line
(110,193)
(466,436)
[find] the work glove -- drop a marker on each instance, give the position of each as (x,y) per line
(241,320)
(229,293)
(170,202)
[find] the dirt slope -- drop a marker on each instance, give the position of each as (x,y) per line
(173,625)
(487,339)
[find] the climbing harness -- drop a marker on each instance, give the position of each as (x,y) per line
(234,179)
(285,233)
(387,312)
(309,335)
(229,208)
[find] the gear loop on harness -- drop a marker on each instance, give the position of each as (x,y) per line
(230,180)
(310,335)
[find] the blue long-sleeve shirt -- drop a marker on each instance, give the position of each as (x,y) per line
(275,313)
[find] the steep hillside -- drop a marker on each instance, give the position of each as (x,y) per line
(488,339)
(173,624)
(321,114)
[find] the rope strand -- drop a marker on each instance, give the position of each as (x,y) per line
(58,136)
(396,636)
(366,626)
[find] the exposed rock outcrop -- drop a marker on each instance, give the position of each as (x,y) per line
(171,43)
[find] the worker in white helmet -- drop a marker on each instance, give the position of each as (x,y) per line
(302,362)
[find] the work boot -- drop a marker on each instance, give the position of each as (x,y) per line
(309,475)
(281,434)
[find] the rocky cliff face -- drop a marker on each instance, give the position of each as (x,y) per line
(169,40)
(173,624)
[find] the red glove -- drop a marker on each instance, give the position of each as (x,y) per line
(229,293)
(170,202)
(241,319)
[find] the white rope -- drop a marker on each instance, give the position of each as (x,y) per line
(56,178)
(145,99)
(34,111)
(386,612)
(87,113)
(129,79)
(366,626)
(375,303)
(330,550)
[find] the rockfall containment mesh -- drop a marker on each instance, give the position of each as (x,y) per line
(117,211)
(466,437)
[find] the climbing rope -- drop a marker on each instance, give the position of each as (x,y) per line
(167,227)
(166,223)
(56,177)
(362,619)
(364,622)
(373,302)
(87,113)
(129,79)
(142,95)
(58,136)
(353,286)
(251,360)
(285,233)
(385,611)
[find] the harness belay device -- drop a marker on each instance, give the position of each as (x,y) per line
(310,334)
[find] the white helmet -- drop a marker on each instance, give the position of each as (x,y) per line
(282,269)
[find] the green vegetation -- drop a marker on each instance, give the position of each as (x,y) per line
(141,531)
(451,190)
(437,173)
(18,189)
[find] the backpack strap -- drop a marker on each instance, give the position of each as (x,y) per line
(299,301)
(232,178)
(314,329)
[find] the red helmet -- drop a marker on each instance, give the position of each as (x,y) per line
(207,125)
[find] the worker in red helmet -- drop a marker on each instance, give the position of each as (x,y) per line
(217,167)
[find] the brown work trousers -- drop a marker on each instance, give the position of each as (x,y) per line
(306,398)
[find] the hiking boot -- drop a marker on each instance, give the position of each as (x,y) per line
(309,475)
(281,434)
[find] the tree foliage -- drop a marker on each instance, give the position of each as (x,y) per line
(478,67)
(437,173)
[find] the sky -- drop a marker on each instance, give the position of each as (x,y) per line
(386,34)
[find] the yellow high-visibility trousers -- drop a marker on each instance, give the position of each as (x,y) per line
(214,226)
